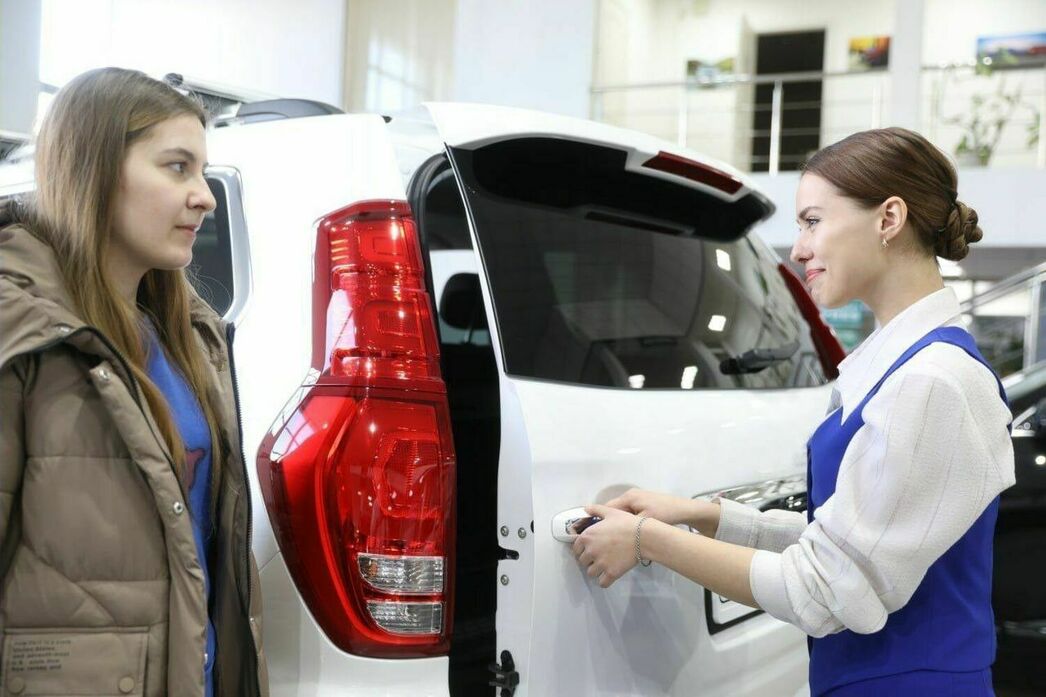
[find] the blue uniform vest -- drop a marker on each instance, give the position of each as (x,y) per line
(943,640)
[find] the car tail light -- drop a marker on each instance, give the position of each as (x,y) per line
(358,472)
(829,350)
(694,171)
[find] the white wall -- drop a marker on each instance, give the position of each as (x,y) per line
(534,53)
(19,55)
(398,54)
(951,28)
(270,46)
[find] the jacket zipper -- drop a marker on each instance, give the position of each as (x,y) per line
(230,333)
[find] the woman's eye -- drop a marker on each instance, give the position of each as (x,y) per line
(810,222)
(178,167)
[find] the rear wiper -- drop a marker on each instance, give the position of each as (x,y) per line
(757,359)
(658,340)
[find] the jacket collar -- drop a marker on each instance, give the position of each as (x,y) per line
(859,371)
(38,309)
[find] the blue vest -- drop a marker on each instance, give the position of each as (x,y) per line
(948,626)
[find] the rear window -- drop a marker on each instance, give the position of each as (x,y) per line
(607,278)
(211,269)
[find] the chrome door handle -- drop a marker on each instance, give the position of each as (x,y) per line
(788,494)
(563,524)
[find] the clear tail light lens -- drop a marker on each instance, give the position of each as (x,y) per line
(407,618)
(402,575)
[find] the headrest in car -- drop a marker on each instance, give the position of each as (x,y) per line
(462,303)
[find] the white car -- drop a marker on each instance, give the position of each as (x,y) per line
(452,331)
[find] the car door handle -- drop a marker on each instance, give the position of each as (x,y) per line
(566,526)
(787,494)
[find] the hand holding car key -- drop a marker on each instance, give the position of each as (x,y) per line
(580,525)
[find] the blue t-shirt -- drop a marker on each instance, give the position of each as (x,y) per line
(192,426)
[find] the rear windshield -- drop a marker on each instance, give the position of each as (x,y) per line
(593,285)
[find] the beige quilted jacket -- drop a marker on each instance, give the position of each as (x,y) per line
(101,590)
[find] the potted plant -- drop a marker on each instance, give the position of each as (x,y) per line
(983,123)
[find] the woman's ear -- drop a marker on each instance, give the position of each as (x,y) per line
(893,214)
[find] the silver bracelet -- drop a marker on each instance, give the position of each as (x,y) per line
(639,554)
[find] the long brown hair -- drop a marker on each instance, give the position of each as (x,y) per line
(871,166)
(81,146)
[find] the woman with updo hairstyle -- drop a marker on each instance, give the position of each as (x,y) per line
(889,571)
(125,550)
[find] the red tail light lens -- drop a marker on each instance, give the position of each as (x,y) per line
(694,171)
(829,350)
(358,475)
(379,332)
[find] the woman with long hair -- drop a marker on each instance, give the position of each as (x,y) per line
(125,558)
(889,571)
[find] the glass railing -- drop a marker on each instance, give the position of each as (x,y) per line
(772,123)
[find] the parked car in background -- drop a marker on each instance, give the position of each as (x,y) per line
(454,328)
(1019,593)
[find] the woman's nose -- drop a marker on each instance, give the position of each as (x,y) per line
(201,197)
(799,254)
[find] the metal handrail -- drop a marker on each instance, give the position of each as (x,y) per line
(742,79)
(779,80)
(1004,287)
(769,79)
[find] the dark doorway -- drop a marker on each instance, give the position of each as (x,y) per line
(800,101)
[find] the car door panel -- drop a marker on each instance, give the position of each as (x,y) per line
(565,444)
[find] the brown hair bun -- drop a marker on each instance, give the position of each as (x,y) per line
(959,232)
(871,166)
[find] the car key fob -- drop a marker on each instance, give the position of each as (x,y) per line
(582,524)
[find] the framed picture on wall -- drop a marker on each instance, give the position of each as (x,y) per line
(708,70)
(1012,50)
(867,52)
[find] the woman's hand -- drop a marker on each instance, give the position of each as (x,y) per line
(664,507)
(606,550)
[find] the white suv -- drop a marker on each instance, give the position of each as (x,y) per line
(453,330)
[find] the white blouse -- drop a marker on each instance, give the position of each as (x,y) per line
(933,452)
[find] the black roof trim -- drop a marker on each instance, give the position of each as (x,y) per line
(272,109)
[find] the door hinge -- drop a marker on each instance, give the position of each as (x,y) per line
(505,676)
